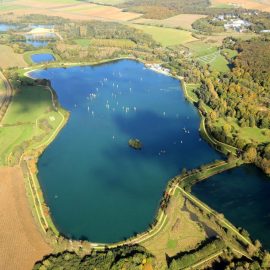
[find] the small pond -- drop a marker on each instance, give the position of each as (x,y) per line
(42,58)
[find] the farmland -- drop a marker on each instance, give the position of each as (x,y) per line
(9,58)
(263,5)
(166,36)
(183,21)
(21,243)
(69,9)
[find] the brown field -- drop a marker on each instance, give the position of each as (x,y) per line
(263,5)
(69,9)
(21,243)
(183,21)
(9,58)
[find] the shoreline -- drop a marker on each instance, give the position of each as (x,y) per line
(160,213)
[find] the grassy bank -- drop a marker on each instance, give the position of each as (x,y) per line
(27,56)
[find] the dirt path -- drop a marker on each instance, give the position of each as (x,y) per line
(21,243)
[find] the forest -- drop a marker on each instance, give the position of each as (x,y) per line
(159,9)
(132,258)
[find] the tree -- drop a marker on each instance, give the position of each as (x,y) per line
(266,260)
(250,154)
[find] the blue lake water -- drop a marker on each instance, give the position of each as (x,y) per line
(243,195)
(96,186)
(5,27)
(42,58)
(39,40)
(37,43)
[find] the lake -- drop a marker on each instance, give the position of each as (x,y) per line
(42,58)
(243,195)
(97,187)
(5,27)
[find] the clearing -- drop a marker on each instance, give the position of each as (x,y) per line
(166,36)
(21,242)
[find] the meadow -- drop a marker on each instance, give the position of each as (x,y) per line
(166,36)
(31,105)
(248,134)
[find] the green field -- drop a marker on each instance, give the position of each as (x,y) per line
(220,64)
(200,48)
(21,121)
(84,42)
(190,91)
(249,134)
(166,36)
(230,53)
(207,53)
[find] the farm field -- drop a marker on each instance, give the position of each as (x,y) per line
(21,242)
(108,2)
(166,36)
(263,5)
(70,9)
(200,48)
(9,58)
(208,53)
(183,21)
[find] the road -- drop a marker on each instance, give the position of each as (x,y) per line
(8,96)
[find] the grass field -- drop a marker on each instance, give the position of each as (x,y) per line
(84,42)
(230,53)
(208,53)
(166,36)
(183,21)
(249,134)
(119,43)
(10,59)
(200,48)
(20,123)
(190,90)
